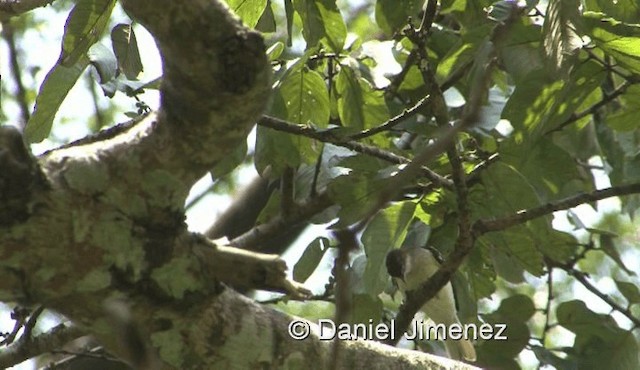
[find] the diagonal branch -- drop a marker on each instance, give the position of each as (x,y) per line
(407,113)
(26,348)
(484,226)
(582,278)
(328,137)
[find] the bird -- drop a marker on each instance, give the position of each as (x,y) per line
(410,267)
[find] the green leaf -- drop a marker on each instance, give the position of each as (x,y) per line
(275,148)
(267,22)
(299,97)
(599,342)
(561,38)
(518,307)
(621,41)
(623,10)
(104,62)
(392,15)
(54,89)
(84,26)
(547,167)
(289,12)
(385,232)
(540,103)
(125,46)
(629,290)
(503,264)
(520,248)
(359,105)
(462,53)
(93,281)
(506,191)
(304,95)
(354,193)
(310,259)
(513,314)
(249,11)
(519,50)
(275,51)
(626,117)
(321,20)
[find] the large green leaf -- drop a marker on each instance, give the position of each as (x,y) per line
(310,259)
(599,343)
(561,38)
(321,20)
(519,245)
(276,149)
(125,46)
(299,97)
(541,103)
(512,315)
(519,50)
(359,105)
(83,28)
(85,24)
(104,61)
(248,10)
(305,97)
(550,169)
(54,89)
(623,10)
(354,193)
(620,40)
(626,117)
(384,233)
(462,53)
(393,15)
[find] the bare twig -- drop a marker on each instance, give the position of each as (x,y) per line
(484,226)
(407,113)
(582,278)
(328,137)
(286,191)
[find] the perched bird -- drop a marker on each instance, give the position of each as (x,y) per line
(410,268)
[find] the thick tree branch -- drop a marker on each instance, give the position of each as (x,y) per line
(12,8)
(27,348)
(299,213)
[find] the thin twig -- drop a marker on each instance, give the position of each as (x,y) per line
(484,226)
(329,137)
(581,277)
(592,109)
(405,114)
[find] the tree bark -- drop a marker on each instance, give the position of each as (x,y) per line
(95,230)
